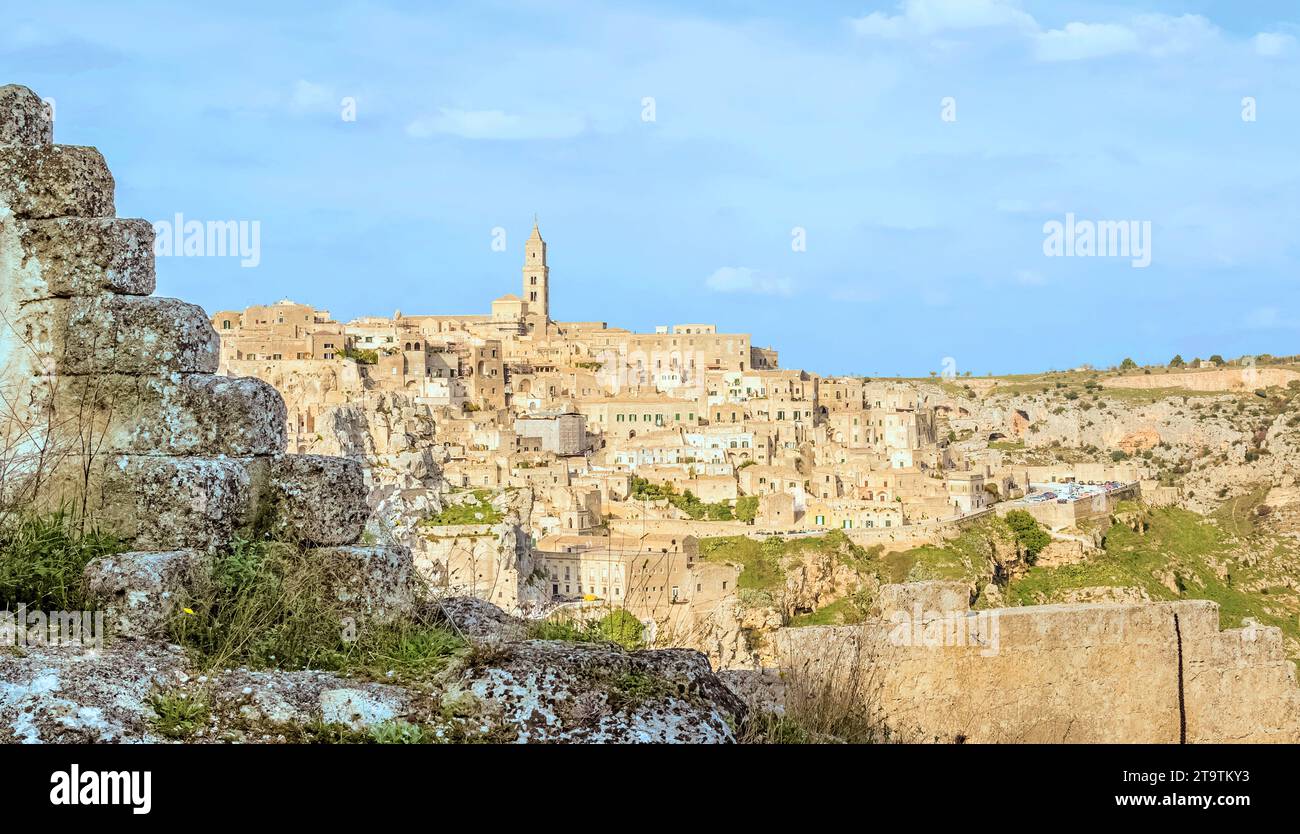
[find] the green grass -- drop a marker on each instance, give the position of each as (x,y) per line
(43,559)
(761,561)
(1180,542)
(270,605)
(178,715)
(479,511)
(964,558)
(843,611)
(618,626)
(1237,515)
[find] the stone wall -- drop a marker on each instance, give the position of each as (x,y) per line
(112,406)
(1153,672)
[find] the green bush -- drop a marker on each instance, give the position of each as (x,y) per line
(618,626)
(361,356)
(1029,534)
(480,511)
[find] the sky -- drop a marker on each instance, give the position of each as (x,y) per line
(865,186)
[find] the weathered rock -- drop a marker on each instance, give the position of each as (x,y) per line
(164,503)
(76,256)
(189,414)
(119,334)
(138,590)
(375,584)
(322,500)
(67,695)
(360,709)
(55,181)
(525,692)
(569,692)
(477,619)
(25,119)
(933,597)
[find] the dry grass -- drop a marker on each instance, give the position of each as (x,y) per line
(828,699)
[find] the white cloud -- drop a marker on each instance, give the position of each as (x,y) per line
(1079,41)
(1272,44)
(1157,35)
(928,17)
(494,124)
(746,280)
(1162,35)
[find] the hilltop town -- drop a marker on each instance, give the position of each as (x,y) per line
(268,525)
(602,445)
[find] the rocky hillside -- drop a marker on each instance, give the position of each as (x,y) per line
(470,676)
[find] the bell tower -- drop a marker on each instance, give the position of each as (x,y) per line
(537,275)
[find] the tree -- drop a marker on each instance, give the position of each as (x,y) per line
(747,508)
(1217,361)
(1029,534)
(1127,365)
(621,627)
(1177,362)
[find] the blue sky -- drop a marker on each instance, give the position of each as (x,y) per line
(924,236)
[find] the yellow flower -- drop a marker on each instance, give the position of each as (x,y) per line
(188,611)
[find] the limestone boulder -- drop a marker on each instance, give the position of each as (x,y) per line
(45,181)
(935,597)
(191,414)
(321,500)
(575,692)
(80,256)
(360,709)
(119,334)
(474,618)
(25,120)
(138,591)
(165,503)
(375,584)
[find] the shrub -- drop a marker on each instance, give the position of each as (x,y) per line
(747,508)
(618,626)
(1029,534)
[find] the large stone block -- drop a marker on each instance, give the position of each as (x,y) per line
(933,598)
(375,584)
(321,500)
(118,334)
(138,591)
(55,181)
(75,256)
(24,118)
(162,503)
(192,414)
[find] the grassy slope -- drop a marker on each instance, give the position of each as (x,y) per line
(1227,559)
